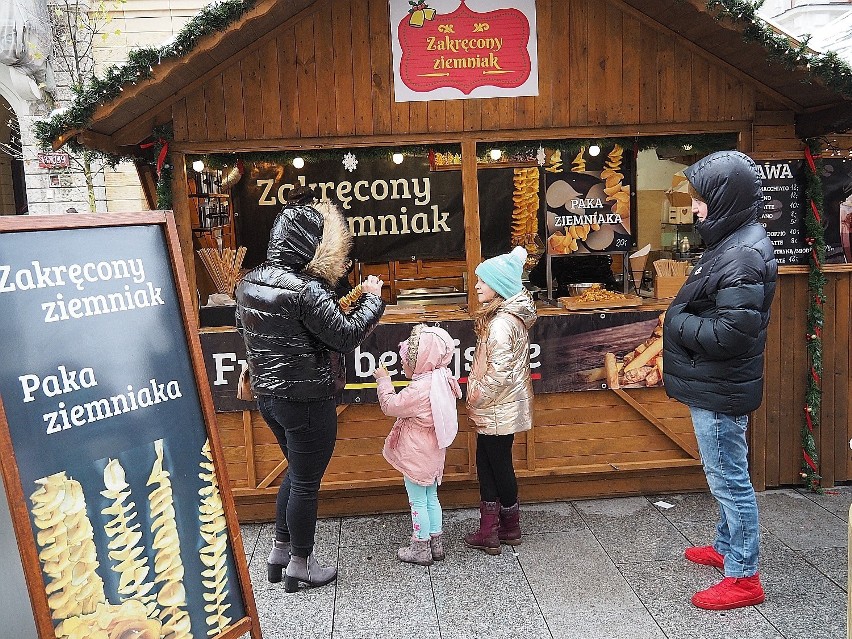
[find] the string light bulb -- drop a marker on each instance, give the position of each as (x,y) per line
(397,158)
(198,166)
(495,154)
(298,162)
(594,150)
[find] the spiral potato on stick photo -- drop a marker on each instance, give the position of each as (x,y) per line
(67,550)
(213,554)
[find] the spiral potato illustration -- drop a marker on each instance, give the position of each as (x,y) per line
(125,550)
(66,548)
(213,554)
(168,567)
(616,192)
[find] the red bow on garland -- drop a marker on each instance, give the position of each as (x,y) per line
(164,151)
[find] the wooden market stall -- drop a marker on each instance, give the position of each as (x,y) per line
(309,77)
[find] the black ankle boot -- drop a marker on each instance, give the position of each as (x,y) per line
(278,559)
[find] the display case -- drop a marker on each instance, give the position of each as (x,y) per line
(682,240)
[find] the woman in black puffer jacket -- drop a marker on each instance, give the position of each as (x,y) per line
(295,334)
(714,335)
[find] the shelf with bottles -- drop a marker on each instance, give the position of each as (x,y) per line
(211,209)
(681,239)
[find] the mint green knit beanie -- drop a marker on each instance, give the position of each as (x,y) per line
(503,273)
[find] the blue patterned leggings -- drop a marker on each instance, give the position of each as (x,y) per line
(426,513)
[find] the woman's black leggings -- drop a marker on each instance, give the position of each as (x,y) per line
(306,432)
(494,469)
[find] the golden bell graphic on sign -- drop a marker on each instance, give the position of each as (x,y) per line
(420,12)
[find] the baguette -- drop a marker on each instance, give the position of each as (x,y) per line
(645,356)
(611,371)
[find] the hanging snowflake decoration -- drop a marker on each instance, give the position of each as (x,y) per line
(540,156)
(350,163)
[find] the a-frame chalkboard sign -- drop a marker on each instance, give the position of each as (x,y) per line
(108,446)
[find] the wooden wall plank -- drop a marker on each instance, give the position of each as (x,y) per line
(561,69)
(454,114)
(489,114)
(716,89)
(380,66)
(648,75)
(578,69)
(472,115)
(324,55)
(667,90)
(788,412)
(549,62)
(288,83)
(596,61)
(306,77)
(196,119)
(344,91)
(214,102)
(180,126)
(436,116)
(235,122)
(418,117)
(362,74)
(699,103)
(613,111)
(842,371)
(252,97)
(829,359)
(631,55)
(525,112)
(682,85)
(271,100)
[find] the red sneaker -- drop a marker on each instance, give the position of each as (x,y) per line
(731,592)
(705,555)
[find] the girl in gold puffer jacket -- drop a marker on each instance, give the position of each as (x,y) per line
(500,395)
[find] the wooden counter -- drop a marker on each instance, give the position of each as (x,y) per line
(584,443)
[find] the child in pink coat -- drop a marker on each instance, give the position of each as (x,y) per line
(427,423)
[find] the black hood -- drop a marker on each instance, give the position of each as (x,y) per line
(730,184)
(295,236)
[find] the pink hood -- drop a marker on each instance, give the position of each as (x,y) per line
(435,351)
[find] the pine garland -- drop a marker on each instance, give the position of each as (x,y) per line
(829,67)
(815,238)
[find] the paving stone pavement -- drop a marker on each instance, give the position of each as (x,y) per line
(593,569)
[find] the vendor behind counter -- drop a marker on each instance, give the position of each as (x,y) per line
(574,270)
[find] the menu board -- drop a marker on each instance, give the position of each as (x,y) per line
(783,209)
(123,516)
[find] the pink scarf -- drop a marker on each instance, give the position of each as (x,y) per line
(434,353)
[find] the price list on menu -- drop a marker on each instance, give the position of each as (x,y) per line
(783,209)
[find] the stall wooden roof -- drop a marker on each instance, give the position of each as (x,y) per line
(714,48)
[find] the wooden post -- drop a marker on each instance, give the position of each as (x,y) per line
(470,200)
(183,221)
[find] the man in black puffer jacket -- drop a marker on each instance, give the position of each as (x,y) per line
(714,336)
(295,334)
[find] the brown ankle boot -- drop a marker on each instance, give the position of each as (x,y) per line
(418,552)
(509,530)
(436,543)
(486,537)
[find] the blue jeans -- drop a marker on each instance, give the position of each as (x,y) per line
(724,453)
(426,514)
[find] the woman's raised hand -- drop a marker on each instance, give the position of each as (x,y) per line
(372,284)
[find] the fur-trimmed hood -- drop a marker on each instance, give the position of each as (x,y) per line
(314,239)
